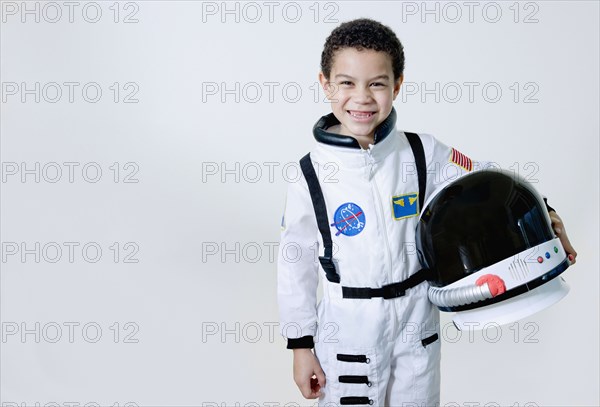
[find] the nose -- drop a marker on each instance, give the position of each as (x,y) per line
(363,95)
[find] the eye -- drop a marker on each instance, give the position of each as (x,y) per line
(345,83)
(378,84)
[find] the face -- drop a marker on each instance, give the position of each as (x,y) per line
(361,89)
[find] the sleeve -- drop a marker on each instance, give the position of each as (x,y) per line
(298,268)
(446,164)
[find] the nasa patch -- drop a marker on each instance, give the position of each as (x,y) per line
(349,219)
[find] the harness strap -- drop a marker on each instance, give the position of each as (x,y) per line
(388,291)
(318,201)
(417,148)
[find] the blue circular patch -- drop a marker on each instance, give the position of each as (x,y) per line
(349,219)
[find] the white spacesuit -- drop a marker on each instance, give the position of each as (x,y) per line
(377,336)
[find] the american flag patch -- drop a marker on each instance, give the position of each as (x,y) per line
(461,160)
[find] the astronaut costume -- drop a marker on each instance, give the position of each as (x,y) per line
(377,337)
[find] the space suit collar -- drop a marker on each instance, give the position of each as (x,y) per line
(323,136)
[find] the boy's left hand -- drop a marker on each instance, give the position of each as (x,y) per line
(559,229)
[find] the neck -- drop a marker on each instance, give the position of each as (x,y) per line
(364,141)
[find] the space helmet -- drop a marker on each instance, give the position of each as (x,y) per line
(492,257)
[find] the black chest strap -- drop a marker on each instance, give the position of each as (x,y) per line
(318,201)
(417,148)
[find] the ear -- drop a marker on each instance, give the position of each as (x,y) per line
(327,86)
(397,85)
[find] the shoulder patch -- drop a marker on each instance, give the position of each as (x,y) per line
(405,206)
(461,160)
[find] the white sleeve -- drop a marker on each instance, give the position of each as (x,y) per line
(446,164)
(298,264)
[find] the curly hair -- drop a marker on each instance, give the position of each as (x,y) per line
(363,33)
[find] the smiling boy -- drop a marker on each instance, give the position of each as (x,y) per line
(378,334)
(362,102)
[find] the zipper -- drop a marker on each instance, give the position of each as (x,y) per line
(381,215)
(353,358)
(344,401)
(385,232)
(351,379)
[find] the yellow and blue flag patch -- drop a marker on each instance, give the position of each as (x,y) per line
(405,206)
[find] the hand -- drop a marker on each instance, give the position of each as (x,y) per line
(559,229)
(308,375)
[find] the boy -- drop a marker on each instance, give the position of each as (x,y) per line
(378,333)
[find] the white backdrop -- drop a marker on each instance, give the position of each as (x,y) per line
(145,151)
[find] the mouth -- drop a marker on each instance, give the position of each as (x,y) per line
(359,115)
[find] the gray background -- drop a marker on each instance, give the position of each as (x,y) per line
(200,328)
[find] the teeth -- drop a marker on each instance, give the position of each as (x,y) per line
(361,115)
